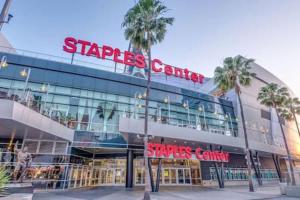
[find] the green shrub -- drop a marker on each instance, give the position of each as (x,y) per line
(4,178)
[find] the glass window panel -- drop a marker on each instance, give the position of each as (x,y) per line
(124,99)
(31,145)
(5,83)
(61,99)
(18,84)
(99,95)
(111,97)
(90,94)
(75,92)
(63,90)
(46,147)
(60,148)
(83,93)
(35,86)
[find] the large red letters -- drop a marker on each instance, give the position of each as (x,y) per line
(185,152)
(71,45)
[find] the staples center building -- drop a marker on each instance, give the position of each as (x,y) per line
(83,122)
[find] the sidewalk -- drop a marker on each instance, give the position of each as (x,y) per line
(166,193)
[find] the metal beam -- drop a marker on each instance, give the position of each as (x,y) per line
(277,166)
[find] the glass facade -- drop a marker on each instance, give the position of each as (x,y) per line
(93,105)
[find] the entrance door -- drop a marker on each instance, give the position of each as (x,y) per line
(119,176)
(169,176)
(176,176)
(114,176)
(109,176)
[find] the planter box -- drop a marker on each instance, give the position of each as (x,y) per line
(283,187)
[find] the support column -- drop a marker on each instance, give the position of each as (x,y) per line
(217,171)
(277,166)
(151,174)
(258,168)
(222,171)
(158,170)
(255,168)
(129,169)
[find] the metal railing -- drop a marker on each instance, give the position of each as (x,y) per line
(114,67)
(241,174)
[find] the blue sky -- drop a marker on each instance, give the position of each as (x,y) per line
(203,34)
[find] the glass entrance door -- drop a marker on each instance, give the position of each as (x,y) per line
(115,176)
(169,176)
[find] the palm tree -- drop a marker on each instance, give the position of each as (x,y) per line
(4,178)
(235,73)
(291,107)
(145,26)
(274,96)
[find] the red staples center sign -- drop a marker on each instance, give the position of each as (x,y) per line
(157,150)
(72,45)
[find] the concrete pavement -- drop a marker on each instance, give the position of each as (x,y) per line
(166,193)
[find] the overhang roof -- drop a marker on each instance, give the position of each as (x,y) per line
(22,122)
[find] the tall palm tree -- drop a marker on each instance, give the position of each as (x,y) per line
(291,107)
(145,25)
(274,96)
(234,74)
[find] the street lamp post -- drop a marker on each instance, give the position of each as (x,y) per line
(167,100)
(25,73)
(4,13)
(230,120)
(45,88)
(202,109)
(186,106)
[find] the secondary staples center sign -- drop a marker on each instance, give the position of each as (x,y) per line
(157,150)
(86,48)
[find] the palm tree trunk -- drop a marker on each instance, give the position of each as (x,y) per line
(297,125)
(251,188)
(287,150)
(147,173)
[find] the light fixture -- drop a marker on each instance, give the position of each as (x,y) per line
(139,106)
(139,96)
(166,100)
(44,88)
(23,73)
(184,105)
(200,109)
(9,17)
(3,62)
